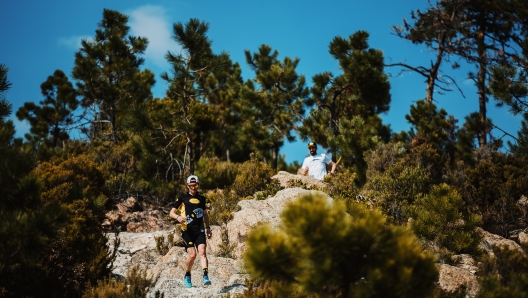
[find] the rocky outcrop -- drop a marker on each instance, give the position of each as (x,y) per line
(286,178)
(132,216)
(451,278)
(489,240)
(253,212)
(227,274)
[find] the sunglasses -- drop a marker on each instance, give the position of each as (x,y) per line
(194,186)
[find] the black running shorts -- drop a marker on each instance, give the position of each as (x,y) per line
(193,239)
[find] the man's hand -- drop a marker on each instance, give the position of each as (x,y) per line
(208,232)
(302,171)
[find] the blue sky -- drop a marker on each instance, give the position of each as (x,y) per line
(39,37)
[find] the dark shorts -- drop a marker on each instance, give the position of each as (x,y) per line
(193,238)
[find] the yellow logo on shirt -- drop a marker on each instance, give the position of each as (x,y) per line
(194,201)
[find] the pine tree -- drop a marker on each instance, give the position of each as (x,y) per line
(348,106)
(485,35)
(366,257)
(108,74)
(436,28)
(434,127)
(52,117)
(225,140)
(186,96)
(440,216)
(5,106)
(27,223)
(274,101)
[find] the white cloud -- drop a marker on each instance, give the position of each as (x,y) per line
(150,21)
(73,42)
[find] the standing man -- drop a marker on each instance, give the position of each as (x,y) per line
(315,164)
(190,210)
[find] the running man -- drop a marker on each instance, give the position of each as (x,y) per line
(190,210)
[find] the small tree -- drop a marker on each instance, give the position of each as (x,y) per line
(440,216)
(27,223)
(348,106)
(366,257)
(50,119)
(274,101)
(187,107)
(108,74)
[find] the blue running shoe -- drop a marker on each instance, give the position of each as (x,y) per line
(206,281)
(187,281)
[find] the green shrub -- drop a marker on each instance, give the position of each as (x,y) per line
(162,246)
(397,177)
(395,189)
(215,173)
(137,284)
(223,204)
(107,288)
(271,189)
(440,216)
(366,258)
(492,188)
(292,183)
(504,274)
(341,186)
(383,157)
(79,254)
(225,249)
(254,176)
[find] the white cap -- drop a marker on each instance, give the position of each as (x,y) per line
(192,179)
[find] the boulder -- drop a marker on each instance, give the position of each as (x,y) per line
(285,177)
(451,278)
(490,240)
(523,238)
(253,212)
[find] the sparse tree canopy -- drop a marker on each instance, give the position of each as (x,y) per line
(50,119)
(274,101)
(187,92)
(347,117)
(109,79)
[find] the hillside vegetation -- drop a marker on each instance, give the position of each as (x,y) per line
(415,197)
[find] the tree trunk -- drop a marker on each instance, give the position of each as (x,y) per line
(431,79)
(226,141)
(274,164)
(190,153)
(481,86)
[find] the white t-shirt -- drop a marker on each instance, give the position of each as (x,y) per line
(316,165)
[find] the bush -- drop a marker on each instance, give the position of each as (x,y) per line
(215,173)
(341,186)
(396,189)
(79,254)
(504,274)
(223,205)
(225,249)
(137,284)
(396,179)
(492,189)
(254,176)
(108,287)
(366,257)
(271,189)
(438,217)
(162,246)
